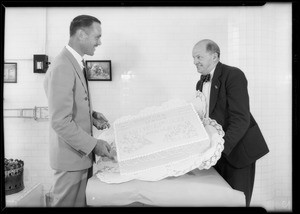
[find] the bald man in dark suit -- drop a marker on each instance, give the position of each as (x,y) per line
(225,89)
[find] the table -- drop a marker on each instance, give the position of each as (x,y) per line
(196,188)
(30,196)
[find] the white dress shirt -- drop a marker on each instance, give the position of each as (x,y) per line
(76,55)
(206,91)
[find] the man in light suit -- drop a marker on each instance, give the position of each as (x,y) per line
(225,89)
(72,145)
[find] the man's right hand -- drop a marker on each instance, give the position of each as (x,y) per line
(103,149)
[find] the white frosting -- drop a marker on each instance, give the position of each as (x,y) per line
(109,171)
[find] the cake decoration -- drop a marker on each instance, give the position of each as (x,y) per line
(110,171)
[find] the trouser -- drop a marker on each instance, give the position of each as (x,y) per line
(241,179)
(69,188)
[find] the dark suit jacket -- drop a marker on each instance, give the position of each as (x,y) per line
(229,106)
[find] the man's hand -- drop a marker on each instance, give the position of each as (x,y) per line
(102,149)
(100,125)
(99,121)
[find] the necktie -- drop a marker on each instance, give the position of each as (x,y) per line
(203,79)
(84,72)
(87,98)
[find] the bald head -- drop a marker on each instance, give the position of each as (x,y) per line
(206,55)
(209,45)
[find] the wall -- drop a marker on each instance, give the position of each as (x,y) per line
(260,44)
(150,49)
(26,139)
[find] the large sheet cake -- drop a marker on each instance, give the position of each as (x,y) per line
(159,138)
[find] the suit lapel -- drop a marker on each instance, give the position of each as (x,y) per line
(80,74)
(215,87)
(77,68)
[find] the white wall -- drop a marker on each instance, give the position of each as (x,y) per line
(260,44)
(154,45)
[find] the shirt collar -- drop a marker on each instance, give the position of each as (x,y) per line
(212,73)
(76,55)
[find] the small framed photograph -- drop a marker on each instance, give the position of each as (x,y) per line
(98,70)
(10,72)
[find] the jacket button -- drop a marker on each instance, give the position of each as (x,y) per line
(86,98)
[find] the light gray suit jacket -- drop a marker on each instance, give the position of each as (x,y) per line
(70,114)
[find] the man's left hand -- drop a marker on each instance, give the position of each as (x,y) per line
(100,121)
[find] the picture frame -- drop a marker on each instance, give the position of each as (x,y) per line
(99,70)
(10,72)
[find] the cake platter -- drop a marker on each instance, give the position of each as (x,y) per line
(108,170)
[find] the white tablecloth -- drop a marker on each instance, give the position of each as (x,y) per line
(196,188)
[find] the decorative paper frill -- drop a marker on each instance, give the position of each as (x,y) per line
(199,103)
(107,170)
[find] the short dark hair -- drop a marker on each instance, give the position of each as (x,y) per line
(212,47)
(82,21)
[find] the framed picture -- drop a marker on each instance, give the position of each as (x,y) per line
(98,70)
(10,72)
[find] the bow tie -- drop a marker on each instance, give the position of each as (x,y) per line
(203,79)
